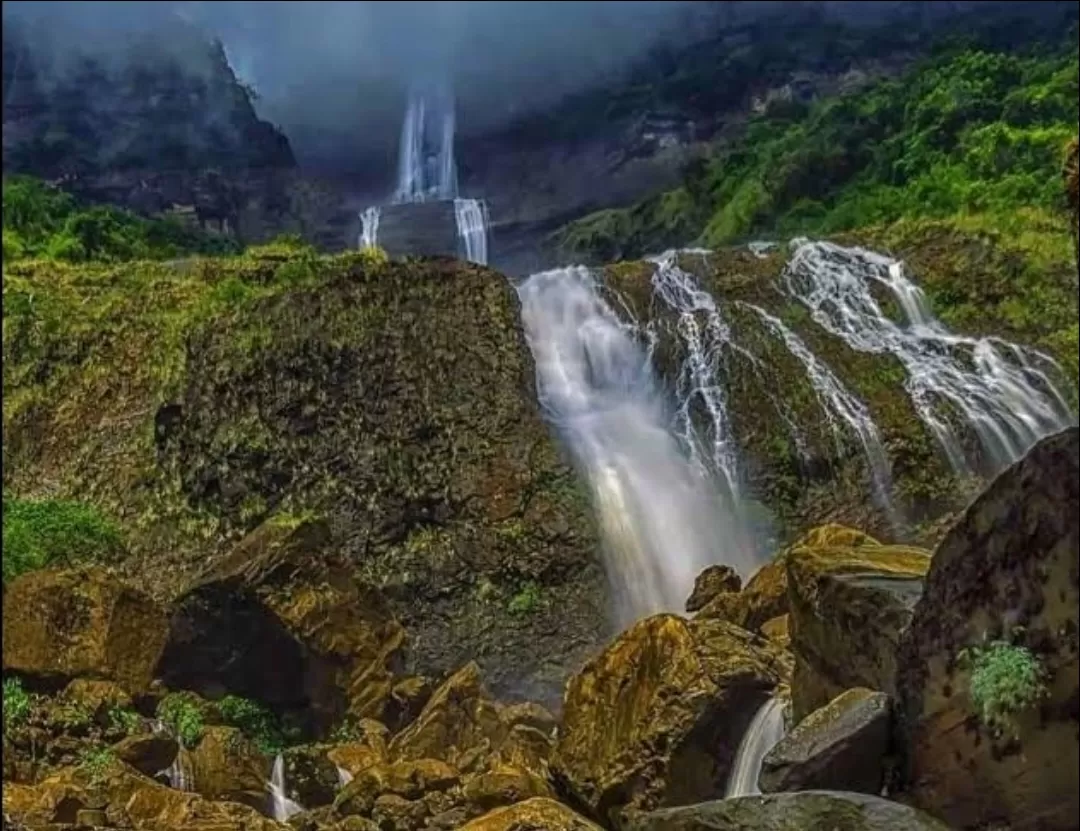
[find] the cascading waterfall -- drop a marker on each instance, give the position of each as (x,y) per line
(661,520)
(344,777)
(763,734)
(839,405)
(179,774)
(1002,391)
(281,807)
(369,223)
(472,225)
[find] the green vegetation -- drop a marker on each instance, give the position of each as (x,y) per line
(124,719)
(37,533)
(183,716)
(17,703)
(1006,680)
(528,599)
(43,222)
(96,762)
(254,721)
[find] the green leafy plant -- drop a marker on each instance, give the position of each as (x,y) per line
(124,719)
(528,599)
(37,533)
(97,762)
(1006,680)
(255,721)
(183,717)
(17,703)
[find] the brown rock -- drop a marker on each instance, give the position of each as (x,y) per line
(96,697)
(408,780)
(776,630)
(529,714)
(459,725)
(850,599)
(1007,570)
(537,814)
(840,747)
(407,699)
(764,597)
(398,813)
(226,766)
(282,621)
(149,754)
(504,785)
(711,582)
(656,718)
(59,625)
(311,778)
(526,748)
(356,757)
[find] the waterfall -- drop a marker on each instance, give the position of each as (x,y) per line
(281,807)
(426,168)
(472,228)
(179,773)
(344,777)
(839,405)
(1003,392)
(660,519)
(761,736)
(369,223)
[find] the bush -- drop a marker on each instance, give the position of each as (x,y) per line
(37,533)
(183,717)
(1006,680)
(97,762)
(255,721)
(17,703)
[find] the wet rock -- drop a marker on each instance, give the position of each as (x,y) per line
(408,780)
(226,766)
(764,597)
(538,813)
(529,714)
(841,746)
(148,754)
(407,698)
(832,810)
(711,582)
(776,629)
(850,599)
(59,625)
(504,785)
(281,621)
(1006,571)
(657,717)
(526,748)
(311,778)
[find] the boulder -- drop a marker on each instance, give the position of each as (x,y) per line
(713,581)
(149,753)
(59,625)
(407,780)
(776,630)
(764,597)
(841,746)
(226,766)
(538,813)
(657,717)
(96,697)
(407,698)
(850,598)
(311,778)
(504,785)
(1006,572)
(804,811)
(282,621)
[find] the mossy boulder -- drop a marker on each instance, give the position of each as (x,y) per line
(713,581)
(1001,748)
(537,813)
(763,598)
(59,625)
(225,765)
(841,747)
(656,718)
(850,600)
(834,810)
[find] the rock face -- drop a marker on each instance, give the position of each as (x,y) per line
(711,582)
(832,810)
(840,747)
(280,621)
(537,813)
(1006,571)
(656,718)
(763,598)
(850,599)
(63,624)
(419,228)
(226,766)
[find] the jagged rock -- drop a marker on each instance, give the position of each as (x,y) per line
(1006,570)
(311,777)
(59,625)
(409,780)
(538,813)
(148,754)
(504,785)
(850,599)
(657,717)
(713,581)
(407,699)
(279,621)
(461,724)
(96,697)
(776,629)
(529,714)
(226,766)
(527,748)
(764,597)
(841,746)
(804,811)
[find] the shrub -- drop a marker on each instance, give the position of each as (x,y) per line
(37,533)
(96,762)
(183,717)
(17,703)
(255,721)
(1006,680)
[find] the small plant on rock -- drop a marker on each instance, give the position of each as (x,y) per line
(527,600)
(1006,680)
(123,719)
(254,721)
(183,717)
(96,762)
(17,703)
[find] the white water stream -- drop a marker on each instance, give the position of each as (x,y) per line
(766,729)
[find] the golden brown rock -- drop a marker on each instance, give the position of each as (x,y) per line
(776,630)
(409,780)
(850,598)
(713,581)
(60,625)
(538,814)
(1007,570)
(226,766)
(656,718)
(148,753)
(96,697)
(504,785)
(764,597)
(407,698)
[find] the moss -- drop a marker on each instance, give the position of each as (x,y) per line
(37,533)
(527,600)
(255,721)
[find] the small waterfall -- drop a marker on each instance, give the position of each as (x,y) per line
(179,773)
(344,777)
(839,405)
(472,228)
(762,735)
(281,807)
(369,223)
(995,388)
(426,168)
(661,520)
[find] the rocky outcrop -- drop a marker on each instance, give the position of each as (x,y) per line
(280,621)
(713,581)
(537,813)
(59,625)
(985,742)
(656,718)
(792,812)
(840,747)
(226,766)
(850,600)
(763,598)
